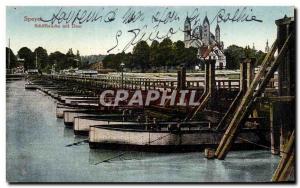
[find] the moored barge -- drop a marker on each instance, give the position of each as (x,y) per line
(164,137)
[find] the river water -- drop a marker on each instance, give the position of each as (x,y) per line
(36,152)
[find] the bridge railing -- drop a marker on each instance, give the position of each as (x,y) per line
(145,83)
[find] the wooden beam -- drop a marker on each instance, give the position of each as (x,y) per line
(277,99)
(248,100)
(274,129)
(287,161)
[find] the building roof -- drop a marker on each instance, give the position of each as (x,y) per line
(212,50)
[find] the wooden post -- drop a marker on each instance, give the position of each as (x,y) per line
(212,83)
(250,62)
(140,83)
(287,163)
(243,75)
(274,128)
(250,71)
(211,77)
(145,82)
(286,70)
(183,77)
(286,78)
(206,76)
(179,82)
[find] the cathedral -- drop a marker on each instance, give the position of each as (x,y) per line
(208,44)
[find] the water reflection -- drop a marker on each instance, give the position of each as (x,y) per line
(69,133)
(97,156)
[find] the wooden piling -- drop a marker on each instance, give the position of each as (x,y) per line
(234,105)
(286,79)
(212,77)
(243,75)
(274,128)
(181,78)
(178,79)
(211,85)
(250,71)
(287,69)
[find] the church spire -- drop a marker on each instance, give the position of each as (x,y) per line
(205,20)
(206,31)
(217,34)
(187,31)
(267,48)
(187,20)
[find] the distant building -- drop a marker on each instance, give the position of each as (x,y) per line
(90,73)
(32,71)
(209,45)
(19,69)
(70,71)
(97,66)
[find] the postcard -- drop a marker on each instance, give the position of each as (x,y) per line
(150,94)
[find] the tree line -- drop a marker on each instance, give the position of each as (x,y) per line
(163,55)
(235,53)
(39,59)
(157,56)
(168,54)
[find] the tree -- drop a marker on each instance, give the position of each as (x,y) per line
(166,53)
(117,60)
(180,53)
(154,54)
(71,60)
(190,57)
(42,58)
(260,56)
(233,55)
(128,61)
(58,59)
(78,59)
(26,54)
(11,59)
(107,61)
(141,54)
(113,61)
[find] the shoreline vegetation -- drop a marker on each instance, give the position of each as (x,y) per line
(158,57)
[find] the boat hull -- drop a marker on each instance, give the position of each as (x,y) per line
(60,110)
(162,141)
(82,124)
(70,115)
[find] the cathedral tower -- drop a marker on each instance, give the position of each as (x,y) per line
(206,31)
(187,32)
(217,34)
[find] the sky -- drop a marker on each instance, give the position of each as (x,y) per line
(111,34)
